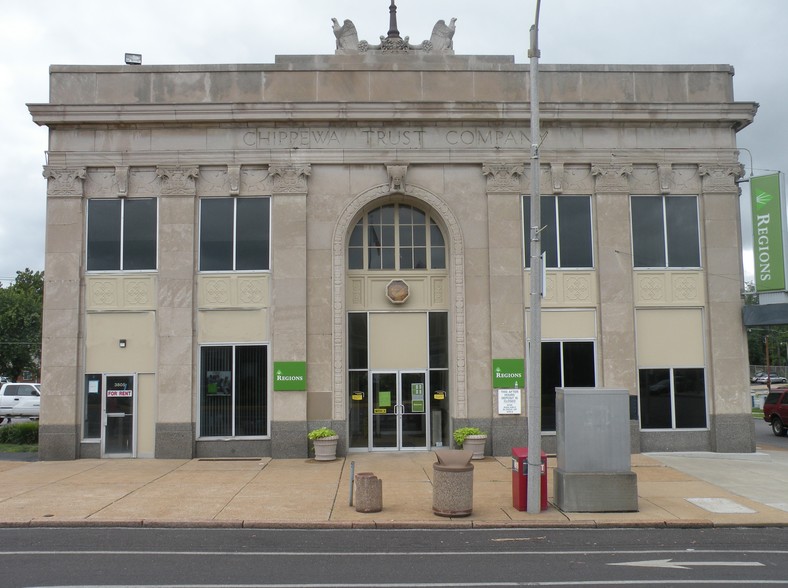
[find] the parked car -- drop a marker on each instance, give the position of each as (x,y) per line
(770,378)
(20,400)
(755,376)
(775,411)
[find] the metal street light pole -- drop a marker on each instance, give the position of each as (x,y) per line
(534,354)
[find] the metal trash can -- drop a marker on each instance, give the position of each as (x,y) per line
(452,484)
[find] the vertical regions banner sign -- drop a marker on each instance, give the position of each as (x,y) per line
(767,229)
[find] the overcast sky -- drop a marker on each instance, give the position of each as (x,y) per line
(750,35)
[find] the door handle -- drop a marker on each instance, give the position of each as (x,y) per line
(116,414)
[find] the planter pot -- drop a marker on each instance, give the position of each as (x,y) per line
(475,443)
(326,448)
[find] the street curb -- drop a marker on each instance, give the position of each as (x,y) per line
(382,525)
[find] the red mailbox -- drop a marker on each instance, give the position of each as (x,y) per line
(520,479)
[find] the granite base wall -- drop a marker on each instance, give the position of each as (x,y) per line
(252,448)
(288,439)
(57,442)
(175,440)
(733,433)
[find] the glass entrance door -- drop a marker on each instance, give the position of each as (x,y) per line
(399,410)
(117,439)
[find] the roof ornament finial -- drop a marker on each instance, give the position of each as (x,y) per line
(393,32)
(441,40)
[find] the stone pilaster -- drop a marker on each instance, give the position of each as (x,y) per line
(289,287)
(727,372)
(61,336)
(175,369)
(616,342)
(507,299)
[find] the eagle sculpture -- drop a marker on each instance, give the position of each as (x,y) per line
(347,37)
(442,35)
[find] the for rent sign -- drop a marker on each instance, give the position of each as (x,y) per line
(767,228)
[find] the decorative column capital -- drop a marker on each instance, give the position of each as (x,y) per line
(65,181)
(611,177)
(178,181)
(290,179)
(720,178)
(503,177)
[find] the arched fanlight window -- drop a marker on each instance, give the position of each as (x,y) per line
(396,237)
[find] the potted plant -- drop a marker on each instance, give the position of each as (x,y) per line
(325,443)
(472,439)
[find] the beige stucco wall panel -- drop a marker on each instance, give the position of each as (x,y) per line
(289,406)
(319,406)
(398,341)
(236,326)
(670,338)
(104,330)
(567,324)
(146,415)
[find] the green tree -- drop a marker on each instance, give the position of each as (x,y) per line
(21,306)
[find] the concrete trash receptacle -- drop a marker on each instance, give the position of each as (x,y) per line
(452,484)
(369,492)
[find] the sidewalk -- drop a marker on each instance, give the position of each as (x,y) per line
(305,493)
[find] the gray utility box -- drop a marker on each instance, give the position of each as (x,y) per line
(593,463)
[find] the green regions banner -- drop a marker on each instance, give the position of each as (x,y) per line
(767,233)
(289,376)
(508,373)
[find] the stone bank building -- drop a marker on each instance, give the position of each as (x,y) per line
(237,254)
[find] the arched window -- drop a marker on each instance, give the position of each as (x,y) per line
(396,237)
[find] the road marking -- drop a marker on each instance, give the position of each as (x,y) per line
(720,505)
(685,565)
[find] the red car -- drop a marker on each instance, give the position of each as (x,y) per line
(775,411)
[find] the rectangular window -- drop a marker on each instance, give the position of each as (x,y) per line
(233,391)
(565,364)
(91,423)
(235,234)
(566,231)
(121,234)
(665,231)
(358,362)
(672,398)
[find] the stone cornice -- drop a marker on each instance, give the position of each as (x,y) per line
(737,115)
